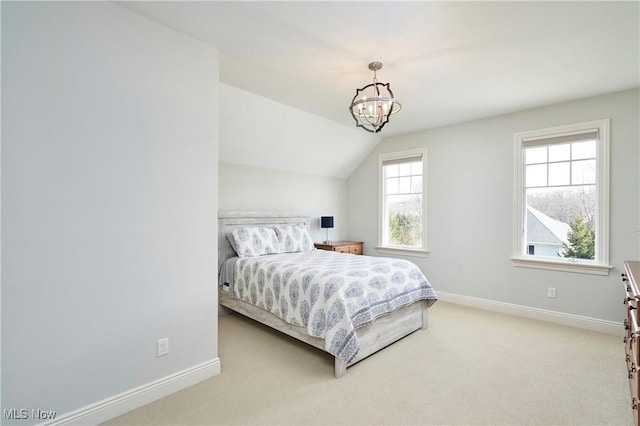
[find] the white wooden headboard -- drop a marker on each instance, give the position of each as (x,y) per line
(228,220)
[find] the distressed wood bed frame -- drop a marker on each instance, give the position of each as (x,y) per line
(372,337)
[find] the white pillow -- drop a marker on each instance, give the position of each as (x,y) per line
(294,238)
(254,241)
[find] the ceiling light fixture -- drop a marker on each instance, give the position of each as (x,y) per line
(372,111)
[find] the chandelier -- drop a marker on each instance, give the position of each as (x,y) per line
(372,105)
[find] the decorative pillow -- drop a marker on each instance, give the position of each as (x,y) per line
(254,241)
(294,238)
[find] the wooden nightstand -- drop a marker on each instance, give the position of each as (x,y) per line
(353,247)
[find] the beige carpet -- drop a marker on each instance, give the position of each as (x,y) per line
(469,367)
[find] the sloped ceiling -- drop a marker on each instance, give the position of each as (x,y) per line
(255,131)
(447,62)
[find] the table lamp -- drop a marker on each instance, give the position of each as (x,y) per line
(326,222)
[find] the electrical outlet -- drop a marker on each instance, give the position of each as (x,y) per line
(162,346)
(551,292)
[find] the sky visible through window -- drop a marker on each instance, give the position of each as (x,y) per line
(569,164)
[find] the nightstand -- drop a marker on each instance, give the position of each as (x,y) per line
(353,247)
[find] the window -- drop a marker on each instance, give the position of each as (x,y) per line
(562,198)
(403,183)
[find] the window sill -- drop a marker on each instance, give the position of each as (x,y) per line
(402,251)
(566,266)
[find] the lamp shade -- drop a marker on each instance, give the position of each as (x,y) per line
(326,221)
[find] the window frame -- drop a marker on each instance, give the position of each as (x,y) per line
(598,266)
(406,154)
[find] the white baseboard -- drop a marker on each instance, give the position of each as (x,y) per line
(130,400)
(593,324)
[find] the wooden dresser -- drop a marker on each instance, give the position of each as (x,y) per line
(353,247)
(630,280)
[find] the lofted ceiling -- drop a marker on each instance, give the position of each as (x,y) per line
(447,62)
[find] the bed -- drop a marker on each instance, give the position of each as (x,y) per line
(348,305)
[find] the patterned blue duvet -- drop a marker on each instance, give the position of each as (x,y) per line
(330,294)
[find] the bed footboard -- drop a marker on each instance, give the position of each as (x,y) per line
(372,337)
(386,330)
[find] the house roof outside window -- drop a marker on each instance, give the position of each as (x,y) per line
(544,229)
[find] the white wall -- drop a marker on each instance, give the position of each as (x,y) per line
(470,202)
(109,177)
(275,157)
(254,188)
